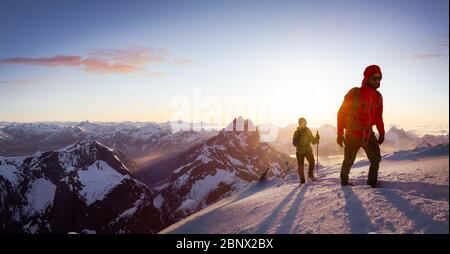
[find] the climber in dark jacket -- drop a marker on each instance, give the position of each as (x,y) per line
(303,138)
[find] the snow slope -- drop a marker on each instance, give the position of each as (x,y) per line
(412,198)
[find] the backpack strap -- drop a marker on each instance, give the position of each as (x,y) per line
(379,97)
(355,91)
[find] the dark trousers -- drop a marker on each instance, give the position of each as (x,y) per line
(301,164)
(372,149)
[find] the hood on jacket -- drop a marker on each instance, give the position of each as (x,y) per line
(369,71)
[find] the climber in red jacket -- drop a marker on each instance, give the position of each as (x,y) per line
(362,108)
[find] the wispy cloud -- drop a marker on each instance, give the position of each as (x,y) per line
(182,61)
(438,41)
(443,42)
(428,56)
(418,56)
(50,61)
(19,81)
(121,61)
(155,74)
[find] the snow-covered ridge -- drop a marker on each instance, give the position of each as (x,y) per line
(79,181)
(412,198)
(215,169)
(412,154)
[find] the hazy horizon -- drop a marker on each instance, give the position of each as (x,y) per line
(418,129)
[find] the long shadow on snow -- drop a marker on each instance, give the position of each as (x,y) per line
(421,189)
(423,223)
(358,219)
(269,220)
(288,221)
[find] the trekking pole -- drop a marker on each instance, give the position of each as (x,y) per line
(317,154)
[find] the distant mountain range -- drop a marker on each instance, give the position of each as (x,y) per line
(135,140)
(143,142)
(396,139)
(86,188)
(419,152)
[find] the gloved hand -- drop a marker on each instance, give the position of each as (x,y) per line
(381,139)
(340,140)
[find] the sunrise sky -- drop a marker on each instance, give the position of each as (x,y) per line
(127,60)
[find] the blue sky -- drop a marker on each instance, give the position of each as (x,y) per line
(126,60)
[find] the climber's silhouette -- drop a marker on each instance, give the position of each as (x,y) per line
(362,108)
(302,140)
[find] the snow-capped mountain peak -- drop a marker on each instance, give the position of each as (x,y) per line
(84,186)
(240,124)
(216,168)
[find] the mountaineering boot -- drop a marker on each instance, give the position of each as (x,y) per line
(312,178)
(347,184)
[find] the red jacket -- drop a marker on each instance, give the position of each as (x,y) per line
(368,112)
